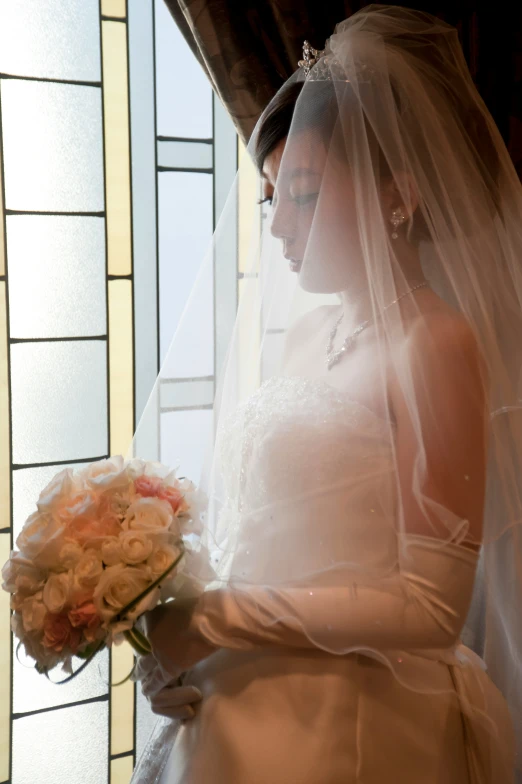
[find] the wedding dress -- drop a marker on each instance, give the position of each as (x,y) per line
(287,716)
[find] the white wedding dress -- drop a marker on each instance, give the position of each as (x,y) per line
(276,715)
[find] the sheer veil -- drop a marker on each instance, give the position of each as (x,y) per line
(388,108)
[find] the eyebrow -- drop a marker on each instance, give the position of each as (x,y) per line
(295,173)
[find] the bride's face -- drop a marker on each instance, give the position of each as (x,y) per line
(314,214)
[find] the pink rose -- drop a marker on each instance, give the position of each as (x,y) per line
(148,486)
(93,530)
(59,633)
(86,618)
(175,498)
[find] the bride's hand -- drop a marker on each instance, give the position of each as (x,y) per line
(167,696)
(177,643)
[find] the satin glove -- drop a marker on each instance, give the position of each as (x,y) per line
(421,605)
(167,696)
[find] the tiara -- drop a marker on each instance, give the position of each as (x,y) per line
(310,58)
(327,68)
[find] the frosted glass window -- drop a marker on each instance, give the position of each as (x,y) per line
(185,437)
(186,393)
(68,745)
(184,94)
(185,231)
(185,155)
(145,721)
(53,153)
(32,691)
(28,483)
(56,276)
(59,393)
(50,38)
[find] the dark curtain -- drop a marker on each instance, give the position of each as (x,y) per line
(248,48)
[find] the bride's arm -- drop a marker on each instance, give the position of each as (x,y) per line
(424,602)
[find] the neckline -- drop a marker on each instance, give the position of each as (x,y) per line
(321,382)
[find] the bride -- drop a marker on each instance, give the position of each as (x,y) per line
(368,444)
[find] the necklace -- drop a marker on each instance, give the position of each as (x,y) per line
(332,357)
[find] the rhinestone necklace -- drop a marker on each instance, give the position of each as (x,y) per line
(332,357)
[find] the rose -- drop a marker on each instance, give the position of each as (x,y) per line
(20,575)
(59,633)
(110,551)
(148,486)
(33,612)
(93,531)
(115,504)
(159,561)
(32,645)
(175,498)
(107,474)
(57,591)
(41,540)
(88,570)
(149,514)
(135,547)
(82,504)
(86,618)
(117,587)
(70,554)
(60,485)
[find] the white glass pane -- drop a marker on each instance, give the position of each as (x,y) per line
(53,154)
(185,155)
(28,483)
(182,394)
(185,436)
(32,691)
(185,230)
(56,276)
(57,39)
(68,745)
(184,94)
(59,393)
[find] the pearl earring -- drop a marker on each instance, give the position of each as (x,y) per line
(396,219)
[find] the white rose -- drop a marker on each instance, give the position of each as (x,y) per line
(106,474)
(159,561)
(57,591)
(41,540)
(19,574)
(80,504)
(60,485)
(33,613)
(32,645)
(135,546)
(117,587)
(110,551)
(88,570)
(70,554)
(149,514)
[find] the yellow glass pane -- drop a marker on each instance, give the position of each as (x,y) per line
(121,770)
(120,365)
(2,228)
(113,8)
(117,166)
(5,668)
(5,468)
(122,700)
(249,214)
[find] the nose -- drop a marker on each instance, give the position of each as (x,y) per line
(282,226)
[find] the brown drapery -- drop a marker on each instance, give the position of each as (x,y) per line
(248,48)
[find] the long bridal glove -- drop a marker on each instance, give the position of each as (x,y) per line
(421,605)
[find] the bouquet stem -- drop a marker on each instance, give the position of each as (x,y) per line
(138,641)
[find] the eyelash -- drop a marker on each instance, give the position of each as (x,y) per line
(267,199)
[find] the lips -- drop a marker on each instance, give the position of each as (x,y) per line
(295,264)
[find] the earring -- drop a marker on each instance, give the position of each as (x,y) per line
(396,219)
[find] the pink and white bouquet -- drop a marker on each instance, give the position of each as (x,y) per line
(105,544)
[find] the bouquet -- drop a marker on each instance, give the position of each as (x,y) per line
(105,544)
